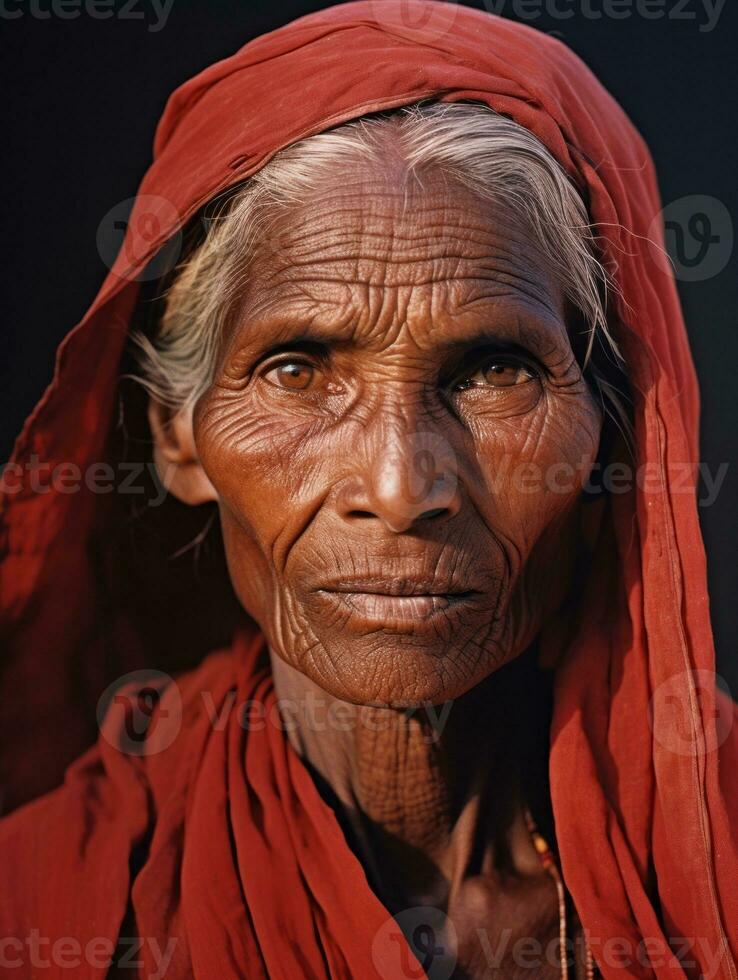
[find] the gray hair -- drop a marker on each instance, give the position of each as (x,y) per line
(495,157)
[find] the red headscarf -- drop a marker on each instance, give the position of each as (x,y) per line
(247,867)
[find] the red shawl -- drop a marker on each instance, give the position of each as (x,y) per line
(245,866)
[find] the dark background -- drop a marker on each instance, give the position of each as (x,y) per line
(81,98)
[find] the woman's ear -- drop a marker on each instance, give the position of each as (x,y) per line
(175,455)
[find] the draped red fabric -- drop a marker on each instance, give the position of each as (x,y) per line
(246,871)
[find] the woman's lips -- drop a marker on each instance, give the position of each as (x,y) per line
(394,584)
(409,607)
(375,605)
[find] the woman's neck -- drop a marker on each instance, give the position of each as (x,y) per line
(433,796)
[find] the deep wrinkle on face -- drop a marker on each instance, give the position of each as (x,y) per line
(400,352)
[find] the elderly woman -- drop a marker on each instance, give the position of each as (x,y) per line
(388,324)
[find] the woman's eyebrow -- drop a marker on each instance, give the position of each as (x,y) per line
(299,343)
(280,330)
(541,334)
(286,328)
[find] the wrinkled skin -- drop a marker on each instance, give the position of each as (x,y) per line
(399,354)
(321,454)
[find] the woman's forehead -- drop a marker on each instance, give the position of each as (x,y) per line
(394,218)
(378,252)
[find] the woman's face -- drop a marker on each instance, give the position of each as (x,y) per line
(397,435)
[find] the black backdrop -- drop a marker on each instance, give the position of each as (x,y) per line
(84,82)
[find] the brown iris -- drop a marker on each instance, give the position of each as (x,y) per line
(292,375)
(504,374)
(498,374)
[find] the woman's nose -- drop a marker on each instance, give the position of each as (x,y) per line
(405,478)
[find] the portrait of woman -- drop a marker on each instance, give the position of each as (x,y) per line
(362,507)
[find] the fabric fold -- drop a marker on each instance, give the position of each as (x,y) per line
(644,755)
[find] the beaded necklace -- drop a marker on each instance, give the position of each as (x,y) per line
(548,861)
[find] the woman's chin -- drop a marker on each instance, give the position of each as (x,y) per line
(394,669)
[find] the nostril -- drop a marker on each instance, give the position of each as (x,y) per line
(426,515)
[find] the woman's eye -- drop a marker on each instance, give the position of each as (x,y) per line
(292,375)
(499,373)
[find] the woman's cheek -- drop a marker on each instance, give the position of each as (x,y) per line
(249,451)
(535,464)
(265,467)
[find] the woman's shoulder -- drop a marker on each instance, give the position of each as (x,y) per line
(66,850)
(49,846)
(147,714)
